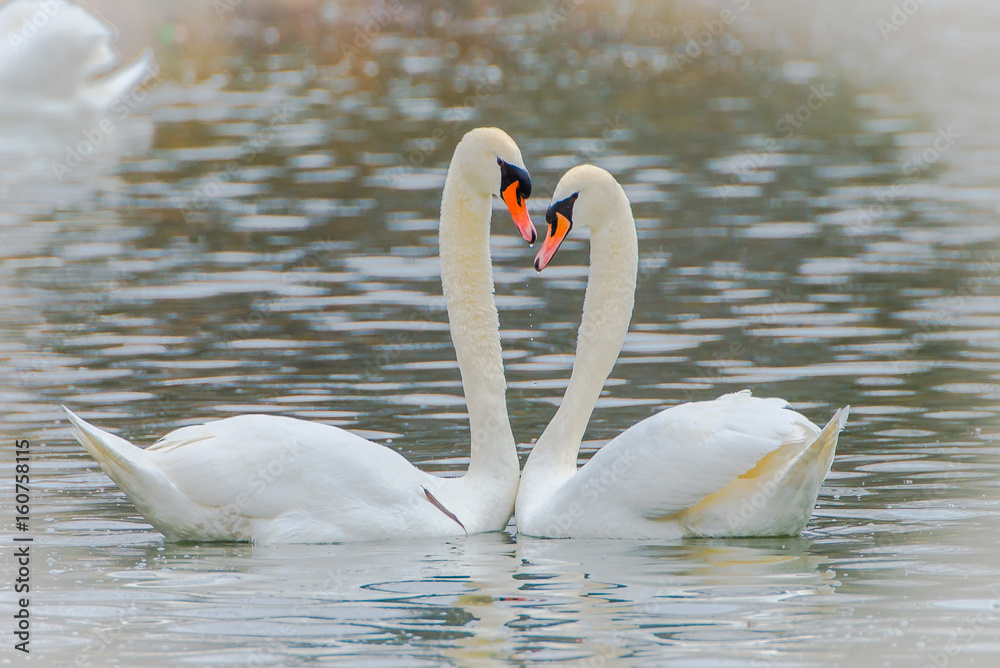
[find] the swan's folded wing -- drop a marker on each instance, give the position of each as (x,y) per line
(263,466)
(670,461)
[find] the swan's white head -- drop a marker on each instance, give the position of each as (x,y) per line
(491,164)
(587,196)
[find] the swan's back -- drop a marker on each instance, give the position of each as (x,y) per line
(269,479)
(216,461)
(658,478)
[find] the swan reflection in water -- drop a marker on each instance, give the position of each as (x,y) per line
(488,596)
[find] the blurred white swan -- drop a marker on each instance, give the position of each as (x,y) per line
(275,479)
(735,466)
(58,59)
(65,103)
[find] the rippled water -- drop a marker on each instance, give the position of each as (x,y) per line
(274,249)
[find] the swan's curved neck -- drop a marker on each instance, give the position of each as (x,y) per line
(607,311)
(467,277)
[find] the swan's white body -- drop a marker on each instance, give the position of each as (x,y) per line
(273,479)
(735,466)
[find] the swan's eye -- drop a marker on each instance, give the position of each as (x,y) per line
(563,207)
(511,175)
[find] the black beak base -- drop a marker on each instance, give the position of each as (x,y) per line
(563,206)
(510,174)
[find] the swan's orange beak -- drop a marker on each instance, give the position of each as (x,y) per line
(558,229)
(518,207)
(560,220)
(515,189)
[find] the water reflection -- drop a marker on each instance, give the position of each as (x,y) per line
(274,249)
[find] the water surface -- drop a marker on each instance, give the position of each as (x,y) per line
(273,249)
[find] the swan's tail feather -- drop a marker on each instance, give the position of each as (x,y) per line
(129,466)
(822,450)
(116,456)
(133,470)
(778,502)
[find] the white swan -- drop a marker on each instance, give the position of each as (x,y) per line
(67,106)
(736,466)
(57,59)
(275,479)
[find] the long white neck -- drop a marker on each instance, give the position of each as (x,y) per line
(607,311)
(467,277)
